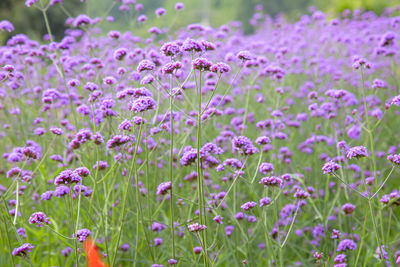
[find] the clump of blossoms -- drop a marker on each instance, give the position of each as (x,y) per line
(39,218)
(330,167)
(163,188)
(82,234)
(22,250)
(196,227)
(236,126)
(357,152)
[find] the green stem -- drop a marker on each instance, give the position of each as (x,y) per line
(171,158)
(200,189)
(73,226)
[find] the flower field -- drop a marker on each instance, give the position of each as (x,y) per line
(202,146)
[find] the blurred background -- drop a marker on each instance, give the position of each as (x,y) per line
(208,12)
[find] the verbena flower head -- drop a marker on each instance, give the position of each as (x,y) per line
(244,55)
(346,244)
(82,234)
(67,177)
(220,68)
(82,20)
(179,6)
(61,191)
(5,25)
(142,104)
(22,250)
(248,205)
(29,3)
(196,227)
(265,201)
(170,49)
(201,64)
(395,159)
(172,261)
(301,194)
(357,152)
(348,208)
(271,181)
(39,218)
(163,188)
(330,167)
(395,101)
(146,65)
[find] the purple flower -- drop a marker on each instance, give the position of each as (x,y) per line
(142,104)
(172,261)
(157,227)
(346,244)
(146,65)
(169,68)
(330,167)
(160,12)
(124,247)
(21,231)
(196,227)
(252,219)
(46,195)
(23,250)
(357,152)
(29,3)
(142,18)
(163,188)
(101,165)
(82,234)
(220,68)
(14,171)
(218,219)
(56,131)
(244,55)
(395,101)
(340,258)
(81,20)
(188,157)
(67,177)
(201,64)
(243,145)
(263,140)
(197,250)
(39,218)
(179,6)
(301,194)
(271,181)
(348,208)
(394,158)
(61,191)
(265,201)
(248,205)
(378,252)
(6,26)
(67,251)
(170,49)
(266,167)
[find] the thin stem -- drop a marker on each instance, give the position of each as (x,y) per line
(355,190)
(291,225)
(125,193)
(73,226)
(171,158)
(8,240)
(17,204)
(200,189)
(384,182)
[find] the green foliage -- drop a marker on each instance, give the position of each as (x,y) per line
(208,12)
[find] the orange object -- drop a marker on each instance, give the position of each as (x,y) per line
(92,254)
